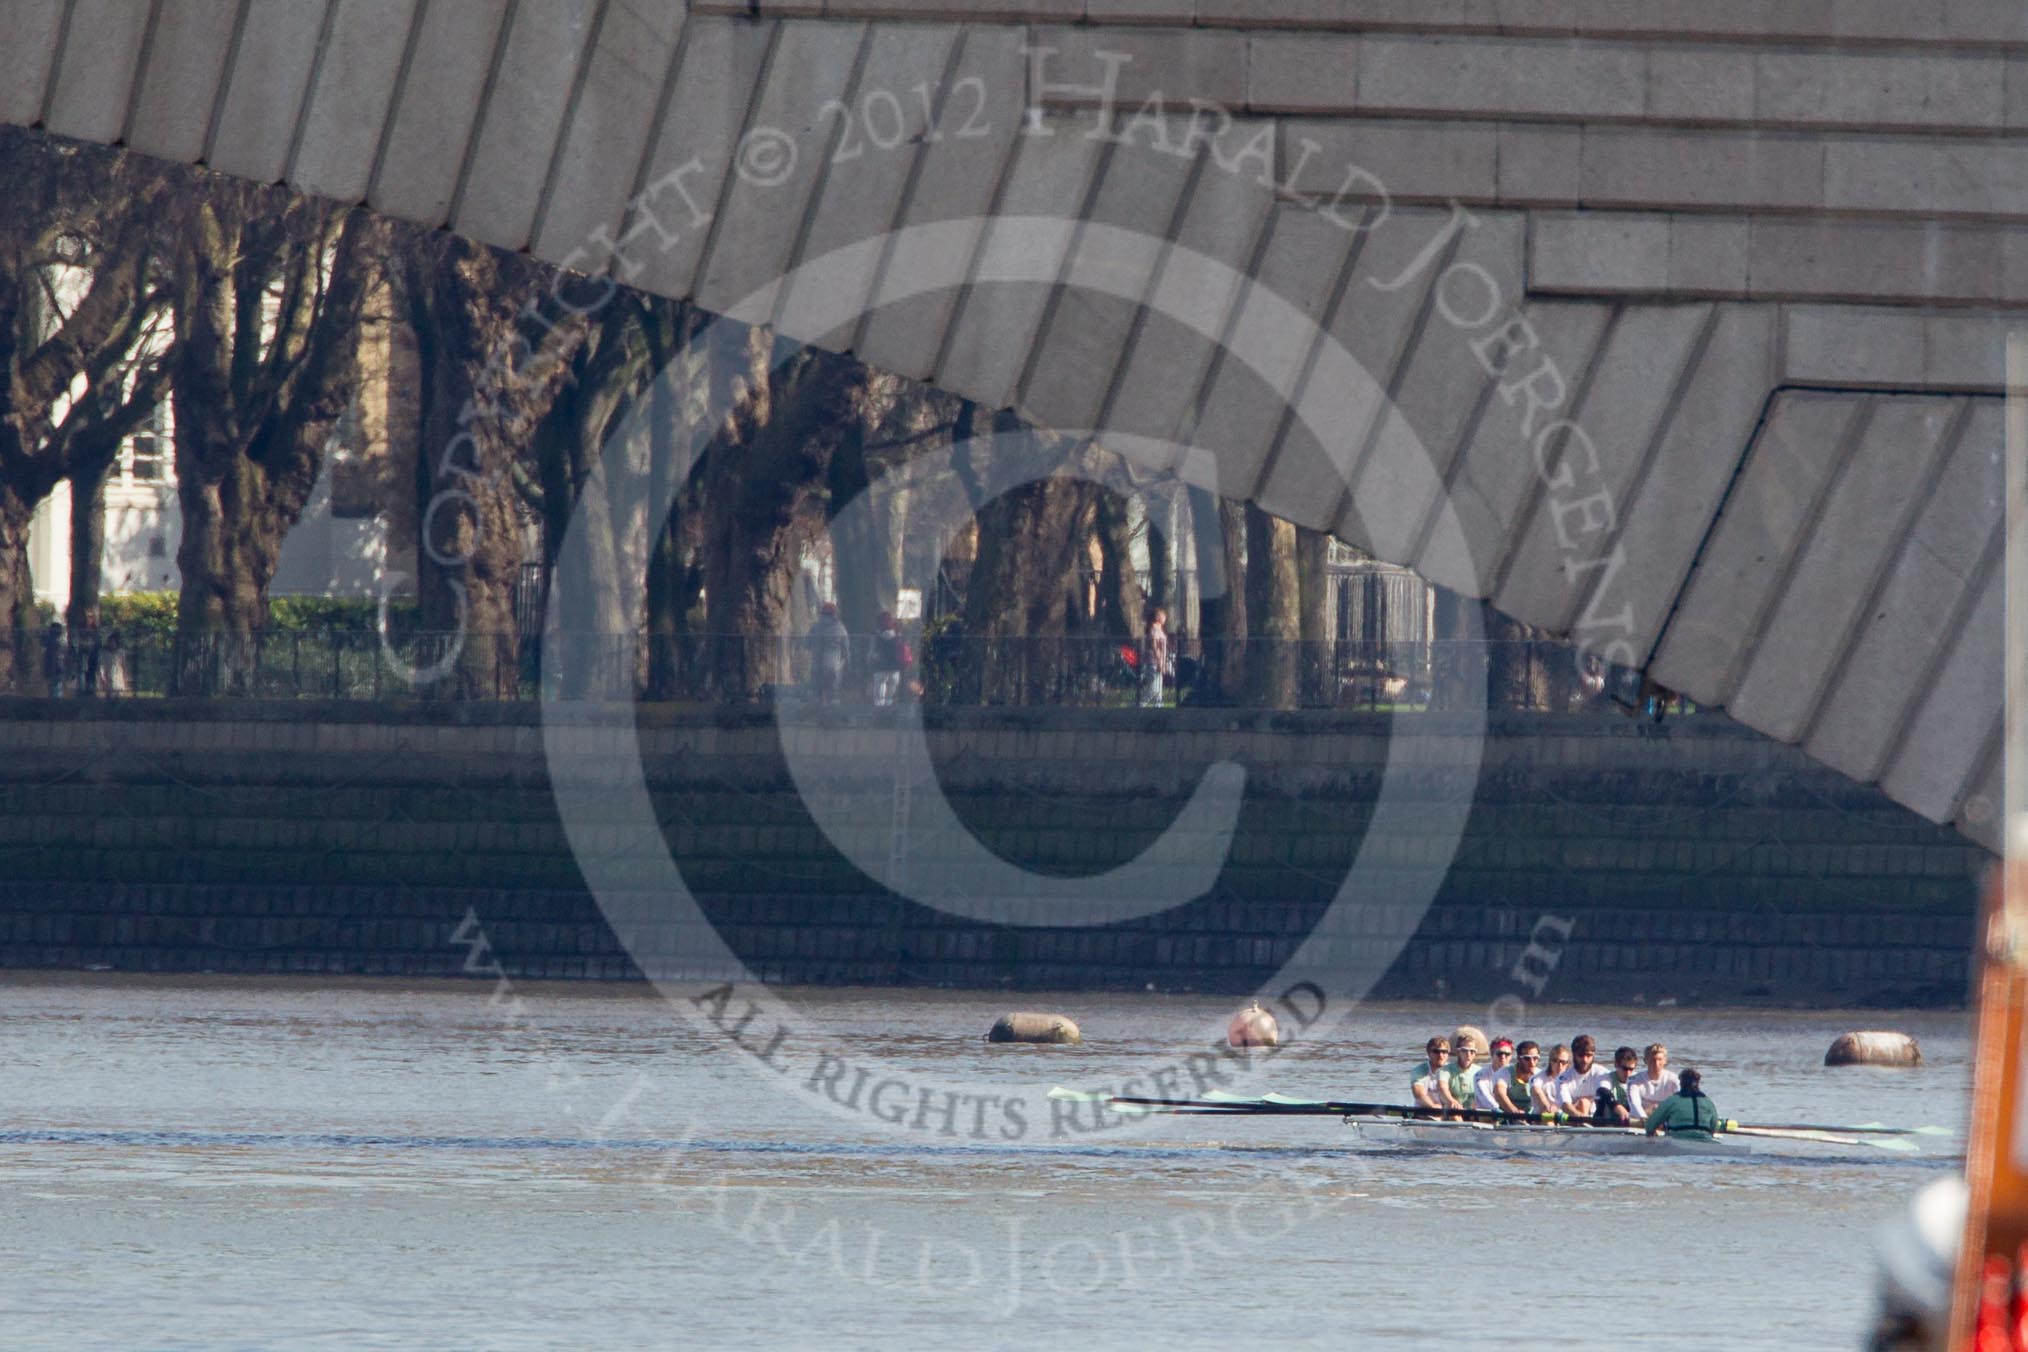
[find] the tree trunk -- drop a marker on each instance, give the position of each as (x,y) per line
(1220,532)
(20,622)
(1273,608)
(763,483)
(864,561)
(463,307)
(1021,602)
(1313,576)
(268,292)
(1161,554)
(1516,677)
(1122,608)
(87,545)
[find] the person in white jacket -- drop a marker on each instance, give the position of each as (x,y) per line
(1656,1082)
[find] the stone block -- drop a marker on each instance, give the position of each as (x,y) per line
(516,140)
(862,195)
(1021,255)
(1495,486)
(606,138)
(1216,237)
(1925,585)
(1927,177)
(1709,256)
(1805,641)
(1374,325)
(1593,477)
(1411,160)
(1837,345)
(266,89)
(1700,84)
(1141,11)
(697,144)
(434,117)
(1648,168)
(1273,334)
(95,80)
(1961,91)
(1539,164)
(179,79)
(1592,253)
(1093,317)
(1663,523)
(1440,393)
(763,209)
(1302,73)
(1956,726)
(1459,75)
(1764,523)
(31,27)
(1969,352)
(1173,65)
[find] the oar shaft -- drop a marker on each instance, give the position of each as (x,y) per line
(1330,1109)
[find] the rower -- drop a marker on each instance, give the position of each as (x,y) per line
(1431,1084)
(1542,1089)
(1652,1085)
(1464,1072)
(1499,1072)
(1510,1087)
(1611,1099)
(1577,1088)
(1687,1112)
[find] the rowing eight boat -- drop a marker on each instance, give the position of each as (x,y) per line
(1527,1139)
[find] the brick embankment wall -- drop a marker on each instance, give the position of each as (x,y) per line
(1693,860)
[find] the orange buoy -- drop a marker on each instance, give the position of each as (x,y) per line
(1253,1027)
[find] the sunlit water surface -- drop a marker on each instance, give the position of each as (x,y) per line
(197,1163)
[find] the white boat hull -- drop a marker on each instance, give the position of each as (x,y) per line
(1519,1138)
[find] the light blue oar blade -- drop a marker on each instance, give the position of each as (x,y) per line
(1062,1095)
(1894,1143)
(1284,1101)
(1223,1096)
(1905,1131)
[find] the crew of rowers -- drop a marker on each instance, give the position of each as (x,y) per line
(1572,1087)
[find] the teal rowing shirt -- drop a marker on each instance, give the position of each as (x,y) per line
(1682,1113)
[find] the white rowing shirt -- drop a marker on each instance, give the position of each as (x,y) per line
(1482,1089)
(1573,1085)
(1541,1090)
(1645,1092)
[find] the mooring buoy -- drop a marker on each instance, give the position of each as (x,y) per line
(1874,1048)
(1253,1027)
(1022,1026)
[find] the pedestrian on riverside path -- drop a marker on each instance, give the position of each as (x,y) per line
(891,657)
(830,643)
(1157,661)
(55,655)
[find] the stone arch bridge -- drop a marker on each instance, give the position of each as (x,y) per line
(1679,329)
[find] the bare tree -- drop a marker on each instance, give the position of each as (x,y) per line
(78,311)
(1273,609)
(268,289)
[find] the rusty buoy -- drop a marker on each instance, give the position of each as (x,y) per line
(1874,1049)
(1253,1027)
(1028,1027)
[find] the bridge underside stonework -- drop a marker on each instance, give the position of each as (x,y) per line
(1680,330)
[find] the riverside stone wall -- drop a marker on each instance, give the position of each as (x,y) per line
(1694,860)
